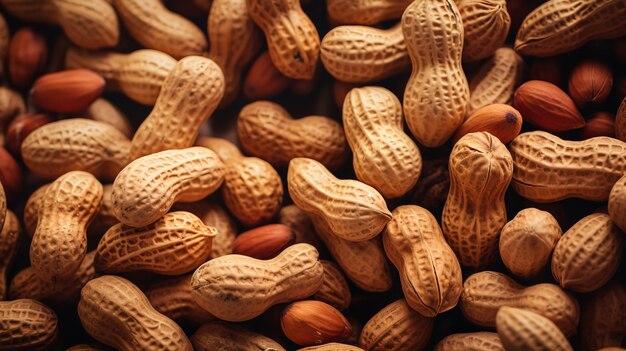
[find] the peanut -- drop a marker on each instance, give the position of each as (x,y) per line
(229,337)
(365,11)
(148,187)
(234,40)
(292,39)
(617,203)
(11,104)
(396,327)
(76,144)
(314,322)
(264,242)
(521,330)
(59,243)
(264,80)
(384,156)
(486,25)
(480,172)
(175,244)
(620,121)
(485,292)
(496,80)
(359,54)
(332,346)
(139,75)
(9,244)
(26,325)
(334,290)
(156,27)
(266,130)
(172,297)
(527,241)
(352,210)
(188,96)
(31,209)
(500,120)
(588,254)
(301,225)
(585,169)
(27,59)
(479,341)
(436,95)
(102,110)
(559,26)
(429,271)
(88,24)
(116,313)
(238,288)
(603,321)
(253,190)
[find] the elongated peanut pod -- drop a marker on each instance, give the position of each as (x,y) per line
(521,330)
(189,95)
(238,288)
(148,187)
(26,325)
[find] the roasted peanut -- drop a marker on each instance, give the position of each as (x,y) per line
(383,156)
(230,337)
(500,120)
(352,210)
(27,58)
(59,243)
(590,83)
(238,288)
(334,290)
(486,25)
(521,330)
(266,130)
(480,172)
(148,187)
(26,325)
(485,292)
(116,313)
(253,190)
(76,144)
(9,244)
(479,341)
(264,242)
(314,322)
(264,80)
(585,169)
(603,321)
(190,93)
(429,271)
(365,11)
(175,244)
(588,254)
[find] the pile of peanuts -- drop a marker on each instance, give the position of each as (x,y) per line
(236,175)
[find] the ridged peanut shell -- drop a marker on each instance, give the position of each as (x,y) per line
(148,187)
(31,209)
(588,254)
(486,25)
(9,244)
(214,215)
(116,313)
(603,321)
(334,290)
(365,11)
(617,203)
(477,341)
(104,111)
(352,210)
(620,121)
(521,330)
(238,288)
(223,336)
(26,325)
(177,243)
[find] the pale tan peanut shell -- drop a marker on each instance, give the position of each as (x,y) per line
(238,288)
(360,54)
(486,25)
(620,121)
(478,341)
(148,187)
(59,243)
(559,26)
(332,346)
(585,169)
(603,320)
(223,336)
(334,290)
(480,172)
(172,297)
(31,209)
(496,80)
(485,292)
(301,225)
(292,39)
(76,144)
(188,96)
(617,203)
(88,24)
(155,27)
(364,263)
(139,74)
(588,254)
(395,328)
(175,244)
(27,285)
(527,241)
(266,130)
(252,190)
(116,313)
(383,155)
(9,244)
(436,95)
(234,41)
(521,330)
(213,215)
(102,110)
(26,325)
(365,11)
(430,273)
(352,210)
